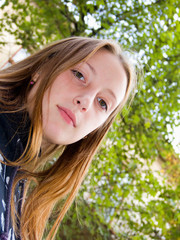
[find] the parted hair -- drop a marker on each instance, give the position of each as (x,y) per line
(47,184)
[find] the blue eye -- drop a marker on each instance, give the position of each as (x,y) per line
(102,103)
(78,75)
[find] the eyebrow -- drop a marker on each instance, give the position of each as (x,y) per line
(111,93)
(91,67)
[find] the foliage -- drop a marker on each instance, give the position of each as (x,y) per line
(87,226)
(124,194)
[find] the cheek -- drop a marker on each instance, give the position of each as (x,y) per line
(63,88)
(97,122)
(45,109)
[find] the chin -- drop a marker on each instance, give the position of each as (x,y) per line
(52,140)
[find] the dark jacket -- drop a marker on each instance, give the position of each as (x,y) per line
(13,139)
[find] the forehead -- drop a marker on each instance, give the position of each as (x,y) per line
(110,72)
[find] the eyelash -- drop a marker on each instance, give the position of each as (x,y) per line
(104,103)
(76,73)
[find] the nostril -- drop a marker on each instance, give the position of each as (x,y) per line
(81,104)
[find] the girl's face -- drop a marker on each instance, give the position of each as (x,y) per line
(82,98)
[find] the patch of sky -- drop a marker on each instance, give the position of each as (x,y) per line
(129,3)
(2,2)
(71,6)
(76,17)
(163,25)
(165,55)
(118,5)
(159,94)
(89,2)
(141,53)
(20,55)
(174,134)
(157,27)
(176,17)
(153,67)
(91,22)
(147,2)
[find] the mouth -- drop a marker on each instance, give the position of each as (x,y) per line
(67,115)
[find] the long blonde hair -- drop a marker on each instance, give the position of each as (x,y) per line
(62,179)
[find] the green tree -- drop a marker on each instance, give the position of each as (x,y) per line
(129,202)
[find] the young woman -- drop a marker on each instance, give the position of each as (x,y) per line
(60,101)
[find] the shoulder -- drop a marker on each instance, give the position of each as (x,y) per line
(5,146)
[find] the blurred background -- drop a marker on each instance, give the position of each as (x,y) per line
(132,191)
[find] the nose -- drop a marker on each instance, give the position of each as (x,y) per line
(83,103)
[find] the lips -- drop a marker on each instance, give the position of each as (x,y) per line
(67,115)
